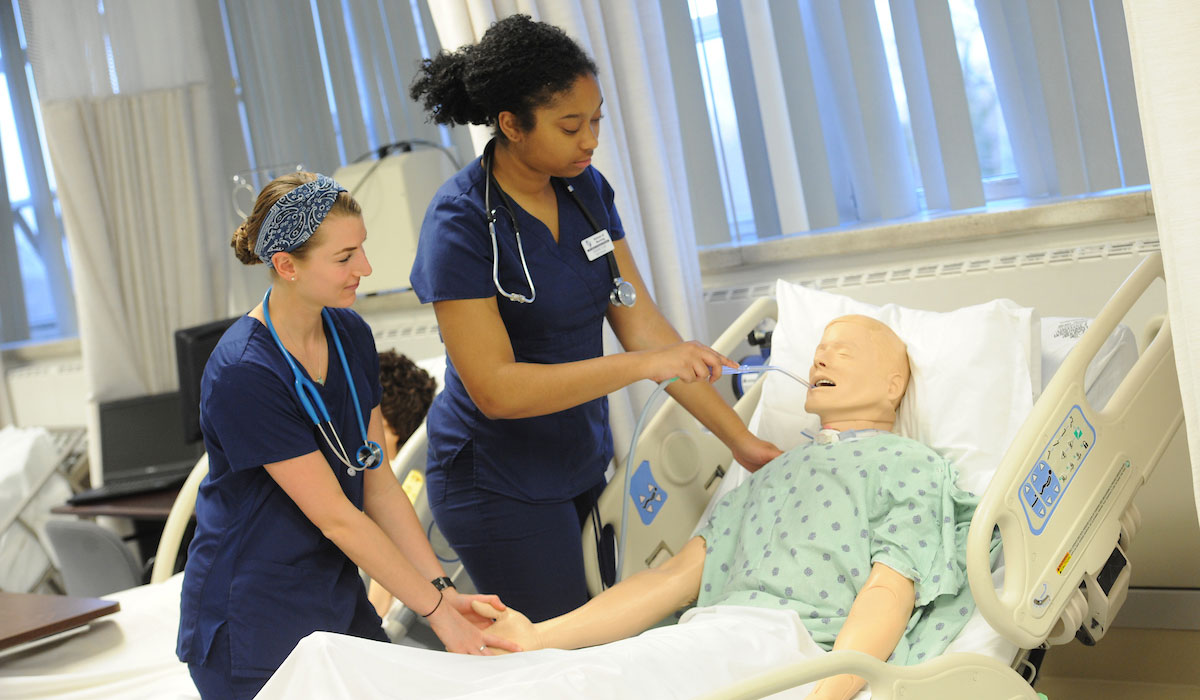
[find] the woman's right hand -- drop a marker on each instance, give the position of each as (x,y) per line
(510,625)
(462,637)
(690,362)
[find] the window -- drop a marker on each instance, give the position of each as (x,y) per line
(348,79)
(35,291)
(905,108)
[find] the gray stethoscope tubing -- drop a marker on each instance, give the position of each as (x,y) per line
(623,292)
(370,454)
(491,219)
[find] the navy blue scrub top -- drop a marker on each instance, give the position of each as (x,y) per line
(543,459)
(256,563)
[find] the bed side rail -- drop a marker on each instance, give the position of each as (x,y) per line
(177,522)
(1063,492)
(677,468)
(948,677)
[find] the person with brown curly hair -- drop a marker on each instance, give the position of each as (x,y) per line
(407,392)
(293,502)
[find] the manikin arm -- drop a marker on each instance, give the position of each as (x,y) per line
(626,609)
(876,623)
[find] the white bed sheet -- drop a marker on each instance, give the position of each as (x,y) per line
(130,654)
(710,648)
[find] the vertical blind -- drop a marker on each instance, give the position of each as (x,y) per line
(829,138)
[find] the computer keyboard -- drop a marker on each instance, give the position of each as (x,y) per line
(127,488)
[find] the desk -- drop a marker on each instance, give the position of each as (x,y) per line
(154,506)
(148,511)
(26,617)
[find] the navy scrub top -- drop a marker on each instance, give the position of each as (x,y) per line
(543,459)
(256,563)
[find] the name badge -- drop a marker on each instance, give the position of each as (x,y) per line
(598,244)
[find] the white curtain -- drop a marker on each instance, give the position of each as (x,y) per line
(130,128)
(6,410)
(638,146)
(1162,42)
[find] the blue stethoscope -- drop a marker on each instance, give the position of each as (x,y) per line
(370,454)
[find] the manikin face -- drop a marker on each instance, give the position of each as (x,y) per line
(336,262)
(565,132)
(857,377)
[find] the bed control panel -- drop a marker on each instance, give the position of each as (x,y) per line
(1056,466)
(648,496)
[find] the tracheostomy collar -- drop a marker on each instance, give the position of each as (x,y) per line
(295,217)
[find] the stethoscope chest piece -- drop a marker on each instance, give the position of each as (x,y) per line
(368,456)
(623,293)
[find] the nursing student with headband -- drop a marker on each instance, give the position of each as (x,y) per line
(522,255)
(294,503)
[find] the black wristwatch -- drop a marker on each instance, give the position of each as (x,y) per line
(442,583)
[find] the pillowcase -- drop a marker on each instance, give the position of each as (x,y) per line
(974,374)
(1106,370)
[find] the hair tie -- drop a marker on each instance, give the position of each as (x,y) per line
(295,217)
(441,596)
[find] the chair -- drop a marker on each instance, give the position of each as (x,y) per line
(94,561)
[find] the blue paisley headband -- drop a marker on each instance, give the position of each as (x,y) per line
(295,217)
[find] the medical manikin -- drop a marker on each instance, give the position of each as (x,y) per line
(858,532)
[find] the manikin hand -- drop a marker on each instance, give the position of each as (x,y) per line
(753,453)
(464,605)
(513,628)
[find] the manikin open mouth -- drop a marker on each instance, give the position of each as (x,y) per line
(823,382)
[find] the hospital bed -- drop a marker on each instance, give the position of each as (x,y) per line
(1061,500)
(1093,509)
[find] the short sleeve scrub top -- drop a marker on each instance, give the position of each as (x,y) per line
(259,575)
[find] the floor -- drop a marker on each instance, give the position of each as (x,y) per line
(1127,663)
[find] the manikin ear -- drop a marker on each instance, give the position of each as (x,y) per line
(896,387)
(284,264)
(510,126)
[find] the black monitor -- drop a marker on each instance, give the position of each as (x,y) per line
(141,436)
(192,348)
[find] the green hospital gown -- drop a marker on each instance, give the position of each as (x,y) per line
(805,530)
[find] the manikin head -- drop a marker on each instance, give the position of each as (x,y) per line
(858,376)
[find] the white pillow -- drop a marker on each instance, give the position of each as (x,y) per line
(1106,370)
(974,373)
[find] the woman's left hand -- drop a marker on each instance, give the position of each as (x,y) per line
(752,452)
(462,603)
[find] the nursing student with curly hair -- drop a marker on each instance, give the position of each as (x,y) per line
(522,255)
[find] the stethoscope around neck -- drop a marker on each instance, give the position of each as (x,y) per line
(623,292)
(370,454)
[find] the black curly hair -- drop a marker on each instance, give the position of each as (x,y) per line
(407,392)
(518,66)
